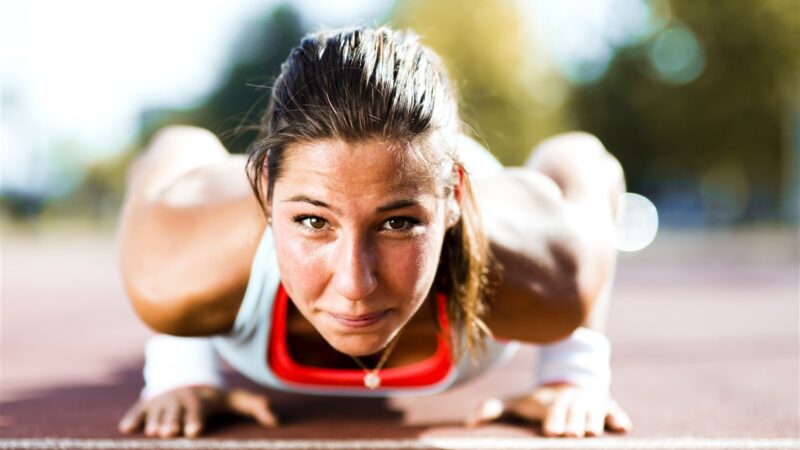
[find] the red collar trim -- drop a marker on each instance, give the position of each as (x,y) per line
(420,374)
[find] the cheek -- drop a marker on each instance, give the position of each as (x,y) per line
(301,266)
(411,268)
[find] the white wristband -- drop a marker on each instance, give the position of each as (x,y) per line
(583,359)
(172,361)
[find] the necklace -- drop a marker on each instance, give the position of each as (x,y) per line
(372,378)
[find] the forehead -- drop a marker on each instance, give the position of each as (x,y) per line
(371,168)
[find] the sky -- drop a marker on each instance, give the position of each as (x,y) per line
(76,74)
(73,64)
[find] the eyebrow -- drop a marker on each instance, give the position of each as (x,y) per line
(398,204)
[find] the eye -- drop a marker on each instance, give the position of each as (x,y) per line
(399,223)
(313,222)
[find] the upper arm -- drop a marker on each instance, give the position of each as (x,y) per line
(549,269)
(185,255)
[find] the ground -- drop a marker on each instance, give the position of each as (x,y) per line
(704,328)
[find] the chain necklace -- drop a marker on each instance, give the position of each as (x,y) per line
(372,378)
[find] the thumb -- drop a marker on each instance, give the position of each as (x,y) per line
(489,410)
(253,405)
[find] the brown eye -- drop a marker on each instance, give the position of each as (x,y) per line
(315,223)
(400,224)
(397,224)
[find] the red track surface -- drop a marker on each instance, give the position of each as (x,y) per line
(704,331)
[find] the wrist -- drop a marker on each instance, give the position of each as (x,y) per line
(582,359)
(172,362)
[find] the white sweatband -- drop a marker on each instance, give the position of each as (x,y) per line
(171,362)
(583,359)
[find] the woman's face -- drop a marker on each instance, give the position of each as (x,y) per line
(358,239)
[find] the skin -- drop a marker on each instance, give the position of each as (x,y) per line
(376,250)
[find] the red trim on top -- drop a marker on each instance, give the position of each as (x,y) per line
(420,374)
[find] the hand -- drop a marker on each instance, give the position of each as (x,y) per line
(563,409)
(186,410)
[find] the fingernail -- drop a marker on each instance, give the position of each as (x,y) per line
(192,429)
(594,433)
(492,408)
(552,432)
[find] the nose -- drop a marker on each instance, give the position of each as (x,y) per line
(355,275)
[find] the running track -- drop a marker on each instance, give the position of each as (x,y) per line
(704,327)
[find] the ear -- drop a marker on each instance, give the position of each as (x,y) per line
(266,202)
(454,199)
(459,187)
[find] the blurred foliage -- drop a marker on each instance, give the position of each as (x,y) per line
(484,46)
(100,192)
(722,137)
(233,109)
(715,139)
(510,93)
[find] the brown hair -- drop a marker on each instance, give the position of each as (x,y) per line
(359,84)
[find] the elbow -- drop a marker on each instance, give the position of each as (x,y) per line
(188,312)
(162,314)
(189,317)
(149,280)
(159,311)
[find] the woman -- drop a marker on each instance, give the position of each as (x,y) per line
(349,253)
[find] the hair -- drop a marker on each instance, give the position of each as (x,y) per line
(360,84)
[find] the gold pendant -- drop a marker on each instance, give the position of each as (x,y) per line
(372,380)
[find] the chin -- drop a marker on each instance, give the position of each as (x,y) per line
(358,344)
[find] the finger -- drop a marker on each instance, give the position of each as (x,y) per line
(132,419)
(575,424)
(555,419)
(193,416)
(170,419)
(532,408)
(253,405)
(595,421)
(489,410)
(617,419)
(153,418)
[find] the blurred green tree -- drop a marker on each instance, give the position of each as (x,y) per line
(512,96)
(233,108)
(720,137)
(706,106)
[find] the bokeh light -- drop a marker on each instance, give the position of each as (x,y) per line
(676,56)
(637,222)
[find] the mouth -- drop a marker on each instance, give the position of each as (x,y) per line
(361,321)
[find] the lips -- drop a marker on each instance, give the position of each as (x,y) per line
(361,321)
